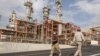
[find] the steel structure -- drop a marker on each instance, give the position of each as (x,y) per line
(28,30)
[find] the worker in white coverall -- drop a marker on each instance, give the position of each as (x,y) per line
(55,49)
(78,39)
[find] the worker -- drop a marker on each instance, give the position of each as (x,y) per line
(78,39)
(55,49)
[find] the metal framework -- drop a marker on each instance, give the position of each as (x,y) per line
(27,30)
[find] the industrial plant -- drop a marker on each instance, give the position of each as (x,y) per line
(28,30)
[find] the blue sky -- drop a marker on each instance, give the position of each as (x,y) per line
(84,13)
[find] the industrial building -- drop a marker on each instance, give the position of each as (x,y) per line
(95,34)
(29,30)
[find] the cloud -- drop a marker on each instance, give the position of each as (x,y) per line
(91,7)
(6,7)
(38,8)
(68,16)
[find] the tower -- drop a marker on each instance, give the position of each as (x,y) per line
(46,12)
(29,10)
(58,10)
(12,19)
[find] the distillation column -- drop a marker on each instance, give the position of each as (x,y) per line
(12,23)
(58,10)
(29,10)
(46,13)
(58,18)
